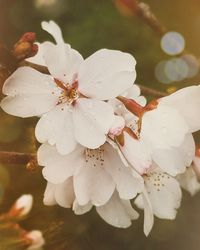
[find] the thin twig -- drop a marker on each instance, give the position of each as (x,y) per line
(144,12)
(16,158)
(151,92)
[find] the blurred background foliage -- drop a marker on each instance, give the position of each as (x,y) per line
(88,26)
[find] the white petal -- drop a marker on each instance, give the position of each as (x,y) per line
(169,160)
(106,74)
(78,210)
(53,29)
(93,184)
(143,202)
(56,128)
(62,61)
(30,93)
(117,212)
(58,168)
(164,194)
(49,194)
(64,193)
(148,214)
(189,181)
(187,102)
(26,80)
(188,149)
(92,121)
(136,153)
(39,57)
(175,160)
(163,127)
(128,183)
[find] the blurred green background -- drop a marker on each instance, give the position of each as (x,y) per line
(89,25)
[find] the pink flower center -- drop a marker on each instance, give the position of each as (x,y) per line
(69,93)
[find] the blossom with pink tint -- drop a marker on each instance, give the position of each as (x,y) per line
(74,94)
(161,197)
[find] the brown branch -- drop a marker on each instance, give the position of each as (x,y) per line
(144,12)
(151,92)
(17,158)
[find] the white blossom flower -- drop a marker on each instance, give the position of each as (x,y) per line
(189,181)
(96,174)
(167,130)
(70,101)
(161,197)
(161,135)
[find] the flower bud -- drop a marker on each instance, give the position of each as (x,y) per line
(22,206)
(36,239)
(25,47)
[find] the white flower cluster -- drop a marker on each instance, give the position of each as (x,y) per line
(102,145)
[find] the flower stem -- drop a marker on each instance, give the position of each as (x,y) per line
(134,107)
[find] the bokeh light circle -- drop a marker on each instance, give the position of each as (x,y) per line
(160,73)
(173,43)
(176,69)
(193,65)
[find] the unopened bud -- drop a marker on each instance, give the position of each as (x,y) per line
(117,126)
(36,239)
(26,46)
(22,206)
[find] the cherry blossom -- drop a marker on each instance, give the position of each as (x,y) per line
(159,132)
(74,94)
(168,128)
(96,174)
(161,197)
